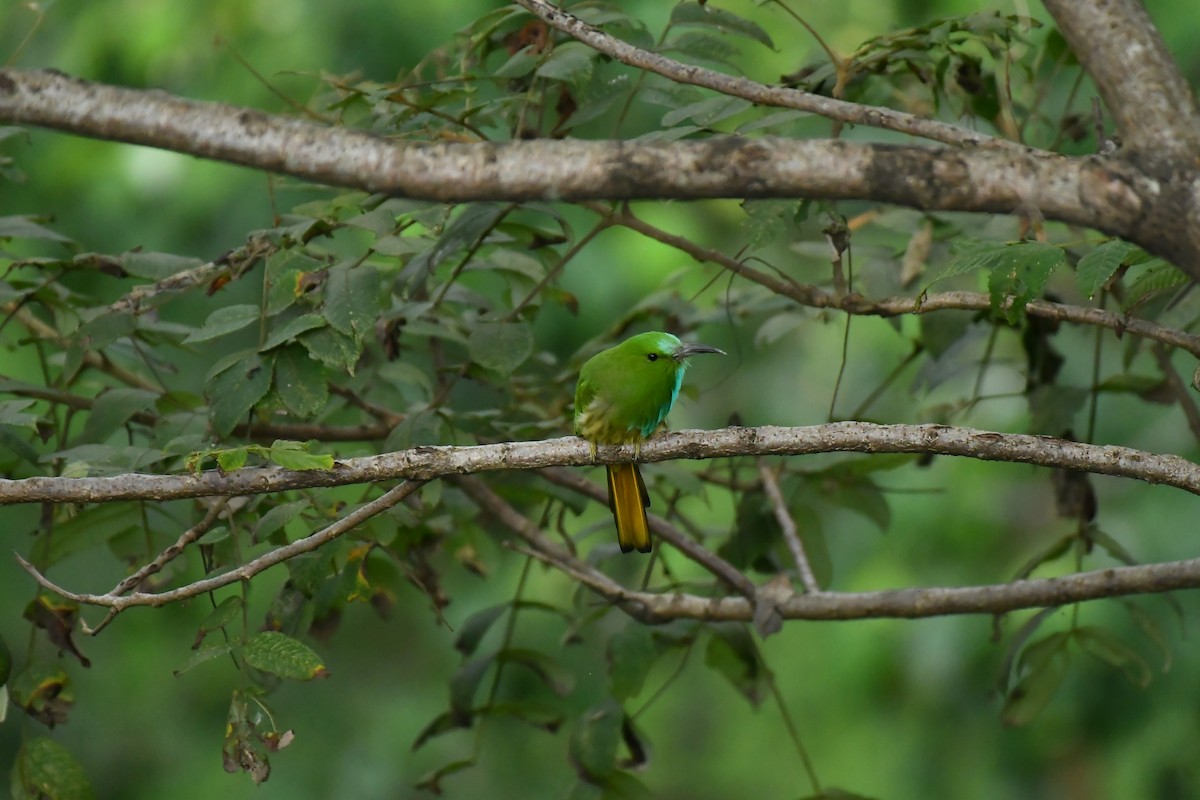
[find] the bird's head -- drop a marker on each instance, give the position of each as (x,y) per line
(660,351)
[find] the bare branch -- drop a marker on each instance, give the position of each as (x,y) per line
(1105,194)
(664,530)
(788,526)
(814,296)
(758,93)
(117,603)
(425,463)
(1154,108)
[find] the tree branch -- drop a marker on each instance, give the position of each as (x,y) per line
(425,463)
(815,297)
(757,93)
(117,602)
(1154,108)
(1104,194)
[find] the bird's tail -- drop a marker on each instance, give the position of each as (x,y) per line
(628,500)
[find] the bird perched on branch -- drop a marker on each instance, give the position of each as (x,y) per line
(624,393)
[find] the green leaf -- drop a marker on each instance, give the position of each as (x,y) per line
(1153,279)
(1102,645)
(724,21)
(332,348)
(477,625)
(594,741)
(12,412)
(500,346)
(295,455)
(104,329)
(226,612)
(231,458)
(203,655)
(571,62)
(284,656)
(235,391)
(277,517)
(1019,272)
(632,651)
(731,652)
(1095,268)
(112,410)
(352,299)
(556,677)
(293,328)
(45,770)
(464,684)
(1044,664)
(706,112)
(300,381)
(226,319)
(26,227)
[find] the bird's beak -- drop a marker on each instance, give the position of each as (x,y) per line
(685,350)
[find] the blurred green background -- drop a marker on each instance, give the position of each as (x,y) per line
(887,708)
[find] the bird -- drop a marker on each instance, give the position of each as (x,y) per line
(624,393)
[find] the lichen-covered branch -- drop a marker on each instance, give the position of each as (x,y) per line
(427,462)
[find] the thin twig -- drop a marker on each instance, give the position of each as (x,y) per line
(175,550)
(788,525)
(815,297)
(664,530)
(118,603)
(1178,389)
(757,93)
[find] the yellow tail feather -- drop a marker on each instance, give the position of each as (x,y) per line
(628,499)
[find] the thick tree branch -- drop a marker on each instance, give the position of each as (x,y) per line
(758,93)
(426,463)
(1104,194)
(1154,108)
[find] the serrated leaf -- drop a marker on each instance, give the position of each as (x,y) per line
(300,381)
(1018,274)
(500,346)
(352,299)
(235,391)
(293,328)
(280,654)
(722,20)
(226,319)
(45,770)
(332,348)
(295,455)
(231,458)
(1095,268)
(1154,279)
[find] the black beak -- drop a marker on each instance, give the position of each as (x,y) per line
(685,350)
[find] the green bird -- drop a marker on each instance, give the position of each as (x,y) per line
(624,393)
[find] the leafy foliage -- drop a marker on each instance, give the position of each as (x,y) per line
(358,323)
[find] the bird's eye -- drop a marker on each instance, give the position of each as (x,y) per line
(652,356)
